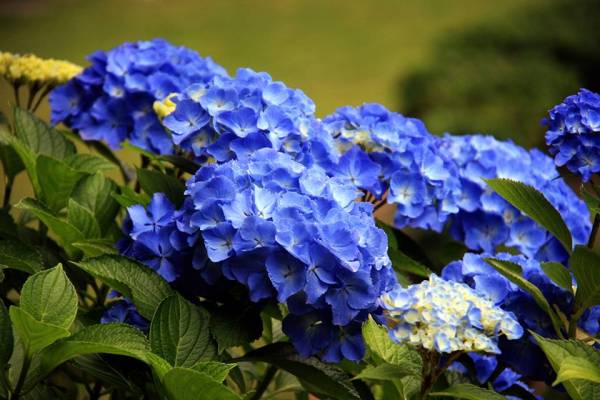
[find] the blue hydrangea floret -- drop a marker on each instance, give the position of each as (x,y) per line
(573,135)
(486,221)
(112,99)
(392,157)
(230,118)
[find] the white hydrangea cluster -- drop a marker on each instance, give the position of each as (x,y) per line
(446,317)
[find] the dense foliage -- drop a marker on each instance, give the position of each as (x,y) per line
(258,251)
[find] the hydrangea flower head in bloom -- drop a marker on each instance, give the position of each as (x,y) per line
(112,99)
(573,134)
(33,70)
(389,155)
(486,220)
(291,233)
(447,316)
(523,355)
(233,117)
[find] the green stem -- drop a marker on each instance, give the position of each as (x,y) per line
(16,93)
(145,164)
(7,192)
(32,92)
(573,322)
(42,96)
(594,232)
(265,382)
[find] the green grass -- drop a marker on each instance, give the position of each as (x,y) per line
(338,52)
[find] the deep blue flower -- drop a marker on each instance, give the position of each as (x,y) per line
(124,311)
(246,113)
(486,221)
(159,213)
(393,157)
(107,100)
(523,356)
(573,135)
(188,118)
(292,233)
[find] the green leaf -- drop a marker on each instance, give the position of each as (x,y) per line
(96,247)
(157,182)
(386,372)
(83,220)
(136,281)
(11,162)
(514,273)
(66,233)
(403,263)
(317,376)
(408,387)
(95,192)
(216,370)
(6,344)
(591,197)
(468,392)
(33,138)
(159,365)
(17,255)
(128,197)
(180,333)
(57,180)
(49,296)
(533,203)
(577,368)
(40,137)
(89,163)
(557,351)
(379,343)
(558,274)
(119,339)
(235,327)
(36,335)
(97,367)
(585,265)
(188,384)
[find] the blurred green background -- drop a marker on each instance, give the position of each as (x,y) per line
(461,65)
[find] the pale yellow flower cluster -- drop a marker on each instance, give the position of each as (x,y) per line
(164,107)
(448,316)
(34,70)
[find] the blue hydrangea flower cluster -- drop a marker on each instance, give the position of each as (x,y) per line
(448,316)
(155,235)
(485,365)
(573,134)
(112,99)
(394,157)
(232,117)
(291,233)
(523,355)
(486,220)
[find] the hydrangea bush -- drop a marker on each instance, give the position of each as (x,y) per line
(251,254)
